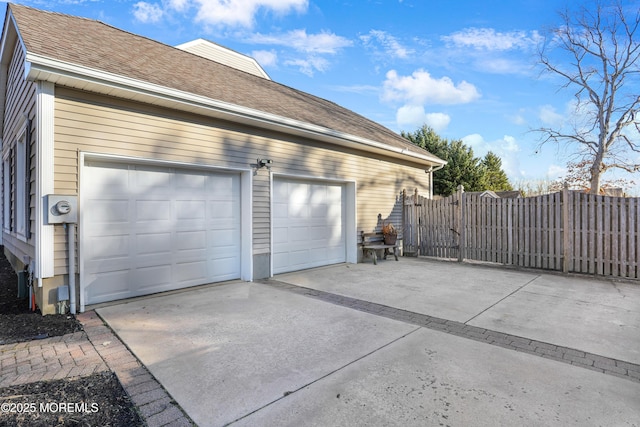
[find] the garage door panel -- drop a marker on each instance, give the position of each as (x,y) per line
(108,286)
(280,235)
(153,243)
(196,271)
(223,239)
(308,224)
(107,247)
(222,268)
(152,180)
(224,209)
(161,229)
(111,211)
(190,209)
(111,180)
(190,240)
(150,277)
(153,210)
(189,181)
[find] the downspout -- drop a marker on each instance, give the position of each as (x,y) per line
(430,171)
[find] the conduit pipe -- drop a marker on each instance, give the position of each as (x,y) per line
(71,241)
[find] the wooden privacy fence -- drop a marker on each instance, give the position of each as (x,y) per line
(565,231)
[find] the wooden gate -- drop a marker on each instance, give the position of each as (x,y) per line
(433,227)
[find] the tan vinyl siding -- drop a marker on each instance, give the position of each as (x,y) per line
(104,125)
(19,99)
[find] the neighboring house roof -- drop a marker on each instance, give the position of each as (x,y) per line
(91,55)
(497,194)
(485,193)
(226,56)
(515,194)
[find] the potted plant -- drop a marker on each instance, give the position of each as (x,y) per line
(390,234)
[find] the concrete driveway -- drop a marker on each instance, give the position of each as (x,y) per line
(414,342)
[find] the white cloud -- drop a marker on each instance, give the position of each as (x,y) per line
(359,89)
(492,40)
(313,45)
(550,117)
(266,58)
(556,172)
(319,43)
(230,13)
(420,88)
(438,121)
(178,5)
(309,65)
(147,13)
(506,148)
(501,66)
(390,45)
(414,116)
(241,13)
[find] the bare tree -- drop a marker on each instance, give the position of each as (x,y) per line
(596,52)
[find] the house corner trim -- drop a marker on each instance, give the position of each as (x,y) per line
(45,103)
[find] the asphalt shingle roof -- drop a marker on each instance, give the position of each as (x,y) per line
(96,45)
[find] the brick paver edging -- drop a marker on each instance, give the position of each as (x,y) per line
(54,358)
(605,365)
(154,403)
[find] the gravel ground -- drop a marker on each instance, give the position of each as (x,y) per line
(96,400)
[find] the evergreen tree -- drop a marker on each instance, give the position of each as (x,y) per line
(461,168)
(493,177)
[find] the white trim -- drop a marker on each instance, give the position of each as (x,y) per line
(246,207)
(351,212)
(44,237)
(39,67)
(117,158)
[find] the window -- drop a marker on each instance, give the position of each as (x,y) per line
(14,185)
(21,178)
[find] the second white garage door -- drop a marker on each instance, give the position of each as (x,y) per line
(150,229)
(308,224)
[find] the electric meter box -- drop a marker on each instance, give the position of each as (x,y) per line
(61,209)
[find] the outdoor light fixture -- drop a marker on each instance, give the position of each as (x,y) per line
(264,162)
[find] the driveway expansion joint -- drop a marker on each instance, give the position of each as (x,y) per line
(571,356)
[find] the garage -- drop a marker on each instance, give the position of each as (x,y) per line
(309,224)
(148,229)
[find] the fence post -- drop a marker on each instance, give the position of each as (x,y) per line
(404,220)
(416,215)
(566,235)
(461,223)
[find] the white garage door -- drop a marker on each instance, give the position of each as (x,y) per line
(308,224)
(152,229)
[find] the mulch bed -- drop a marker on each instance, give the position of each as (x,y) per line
(96,400)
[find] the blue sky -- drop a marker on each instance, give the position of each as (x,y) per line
(466,68)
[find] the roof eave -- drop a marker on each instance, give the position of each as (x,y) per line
(39,67)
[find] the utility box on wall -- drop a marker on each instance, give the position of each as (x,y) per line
(61,209)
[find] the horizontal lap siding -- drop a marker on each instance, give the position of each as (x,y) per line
(20,98)
(104,125)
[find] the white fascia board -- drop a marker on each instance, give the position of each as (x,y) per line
(42,68)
